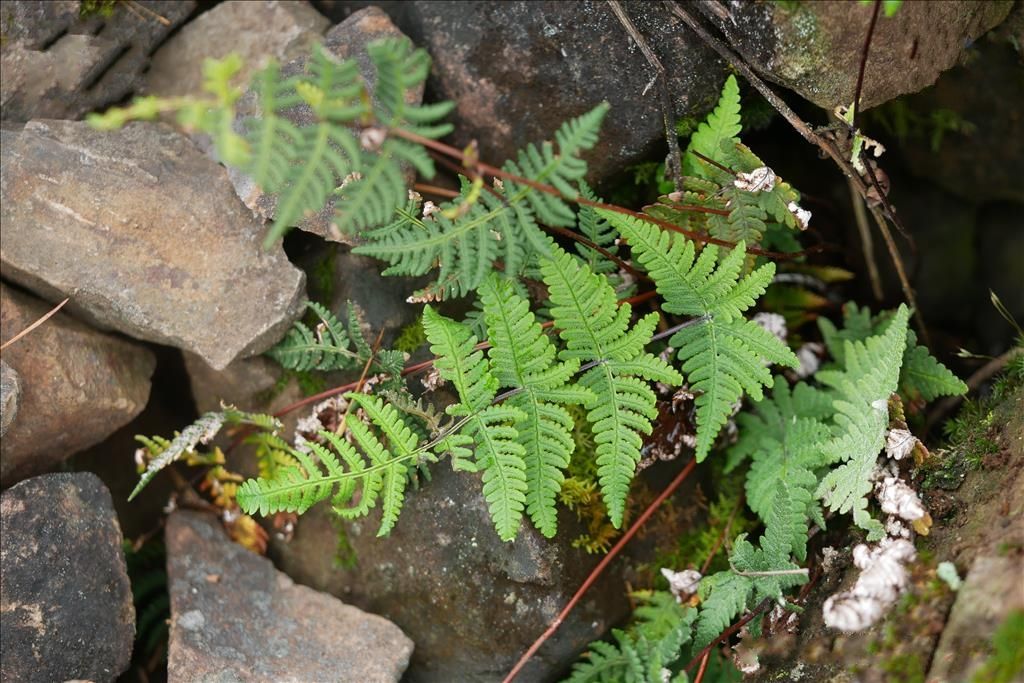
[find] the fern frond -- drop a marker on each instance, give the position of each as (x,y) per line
(327,348)
(724,355)
(722,125)
(498,454)
(355,481)
(871,375)
(466,238)
(922,375)
(597,230)
(201,431)
(723,595)
(523,358)
(597,332)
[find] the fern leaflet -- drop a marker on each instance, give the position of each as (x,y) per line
(871,375)
(598,334)
(723,354)
(497,452)
(524,358)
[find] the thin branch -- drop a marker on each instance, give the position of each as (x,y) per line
(803,571)
(703,667)
(605,561)
(901,272)
(435,190)
(979,377)
(42,319)
(675,164)
(867,244)
(343,423)
(864,60)
(721,538)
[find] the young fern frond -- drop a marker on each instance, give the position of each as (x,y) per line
(355,481)
(597,333)
(496,450)
(870,377)
(714,137)
(597,230)
(467,237)
(523,358)
(724,354)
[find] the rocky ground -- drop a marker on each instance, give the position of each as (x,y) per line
(172,300)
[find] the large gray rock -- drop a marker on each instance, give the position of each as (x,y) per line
(517,70)
(235,618)
(815,48)
(145,234)
(10,395)
(57,64)
(255,31)
(78,385)
(65,600)
(346,40)
(472,603)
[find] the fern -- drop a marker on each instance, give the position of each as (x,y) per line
(597,333)
(202,431)
(354,480)
(870,376)
(331,346)
(523,359)
(723,354)
(465,239)
(921,375)
(647,652)
(723,125)
(488,428)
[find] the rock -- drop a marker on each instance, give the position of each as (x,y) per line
(60,65)
(346,40)
(471,603)
(517,70)
(255,31)
(65,599)
(990,592)
(987,162)
(146,236)
(815,48)
(235,618)
(10,395)
(78,385)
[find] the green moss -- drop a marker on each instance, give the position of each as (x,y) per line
(96,8)
(411,337)
(1007,661)
(906,668)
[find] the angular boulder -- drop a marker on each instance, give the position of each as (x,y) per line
(65,600)
(815,48)
(255,31)
(517,70)
(145,234)
(60,62)
(77,385)
(472,603)
(236,618)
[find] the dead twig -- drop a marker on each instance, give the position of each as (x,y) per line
(605,561)
(675,163)
(867,243)
(42,319)
(977,378)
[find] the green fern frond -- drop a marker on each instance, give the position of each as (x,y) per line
(722,125)
(465,239)
(199,432)
(498,454)
(922,375)
(355,481)
(597,230)
(598,333)
(523,358)
(746,219)
(870,377)
(723,596)
(723,354)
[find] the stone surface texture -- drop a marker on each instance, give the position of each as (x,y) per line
(472,603)
(517,70)
(255,31)
(815,48)
(78,385)
(144,233)
(10,395)
(345,40)
(58,64)
(236,618)
(65,600)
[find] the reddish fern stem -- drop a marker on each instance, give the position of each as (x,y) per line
(599,569)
